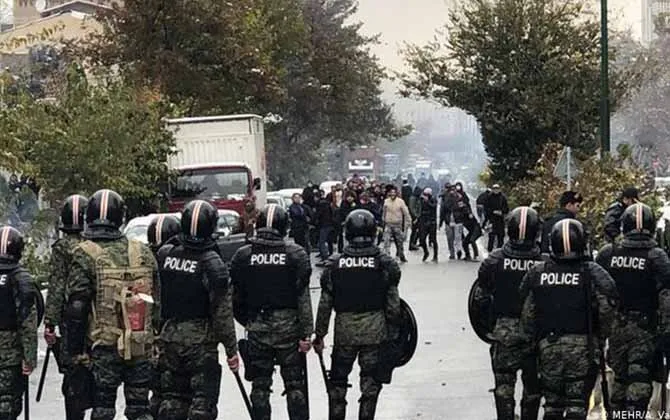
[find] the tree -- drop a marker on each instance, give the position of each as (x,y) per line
(296,59)
(600,182)
(92,137)
(527,71)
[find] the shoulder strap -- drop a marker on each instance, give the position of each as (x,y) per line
(91,248)
(134,253)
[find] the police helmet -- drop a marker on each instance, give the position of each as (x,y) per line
(11,244)
(273,217)
(198,222)
(73,214)
(360,226)
(523,226)
(105,209)
(568,241)
(162,228)
(638,218)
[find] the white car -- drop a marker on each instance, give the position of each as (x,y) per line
(137,228)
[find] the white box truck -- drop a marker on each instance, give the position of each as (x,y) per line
(220,159)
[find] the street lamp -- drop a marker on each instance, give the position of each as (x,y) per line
(604,82)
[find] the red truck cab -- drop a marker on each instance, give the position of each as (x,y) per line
(227,185)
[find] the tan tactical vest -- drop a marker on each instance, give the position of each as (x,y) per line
(120,316)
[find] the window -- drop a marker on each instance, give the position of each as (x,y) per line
(212,183)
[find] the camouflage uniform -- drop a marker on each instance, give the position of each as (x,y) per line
(633,340)
(567,362)
(499,280)
(189,360)
(17,345)
(358,334)
(61,258)
(274,332)
(109,369)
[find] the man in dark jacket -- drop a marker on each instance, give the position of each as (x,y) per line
(308,195)
(446,217)
(300,217)
(481,205)
(325,220)
(405,191)
(414,205)
(428,223)
(570,203)
(496,208)
(615,211)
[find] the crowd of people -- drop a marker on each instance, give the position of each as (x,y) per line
(412,208)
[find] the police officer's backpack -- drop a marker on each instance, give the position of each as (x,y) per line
(121,314)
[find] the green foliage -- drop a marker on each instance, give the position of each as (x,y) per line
(600,181)
(298,59)
(94,136)
(528,71)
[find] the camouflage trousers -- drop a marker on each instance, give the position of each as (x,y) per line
(343,359)
(506,361)
(262,359)
(190,381)
(567,376)
(11,391)
(631,356)
(155,388)
(110,371)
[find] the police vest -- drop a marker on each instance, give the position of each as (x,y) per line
(631,271)
(560,300)
(183,293)
(270,280)
(8,317)
(509,273)
(359,284)
(121,317)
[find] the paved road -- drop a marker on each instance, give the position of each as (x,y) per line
(449,377)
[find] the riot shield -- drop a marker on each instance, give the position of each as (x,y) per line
(480,312)
(409,334)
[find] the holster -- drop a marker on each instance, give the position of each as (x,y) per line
(243,348)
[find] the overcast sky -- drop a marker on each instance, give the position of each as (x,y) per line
(416,20)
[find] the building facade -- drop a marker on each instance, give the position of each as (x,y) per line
(25,11)
(651,9)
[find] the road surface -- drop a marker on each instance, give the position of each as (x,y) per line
(448,378)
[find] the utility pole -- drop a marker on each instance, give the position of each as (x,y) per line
(604,82)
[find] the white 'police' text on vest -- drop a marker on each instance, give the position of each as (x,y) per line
(3,280)
(636,263)
(177,264)
(513,264)
(559,279)
(268,259)
(357,262)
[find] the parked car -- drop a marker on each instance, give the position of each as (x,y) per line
(227,236)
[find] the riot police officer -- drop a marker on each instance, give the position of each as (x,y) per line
(641,270)
(21,310)
(111,287)
(72,220)
(499,279)
(569,304)
(162,234)
(361,285)
(196,315)
(163,229)
(271,299)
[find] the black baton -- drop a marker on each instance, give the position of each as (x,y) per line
(26,399)
(243,391)
(324,372)
(43,376)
